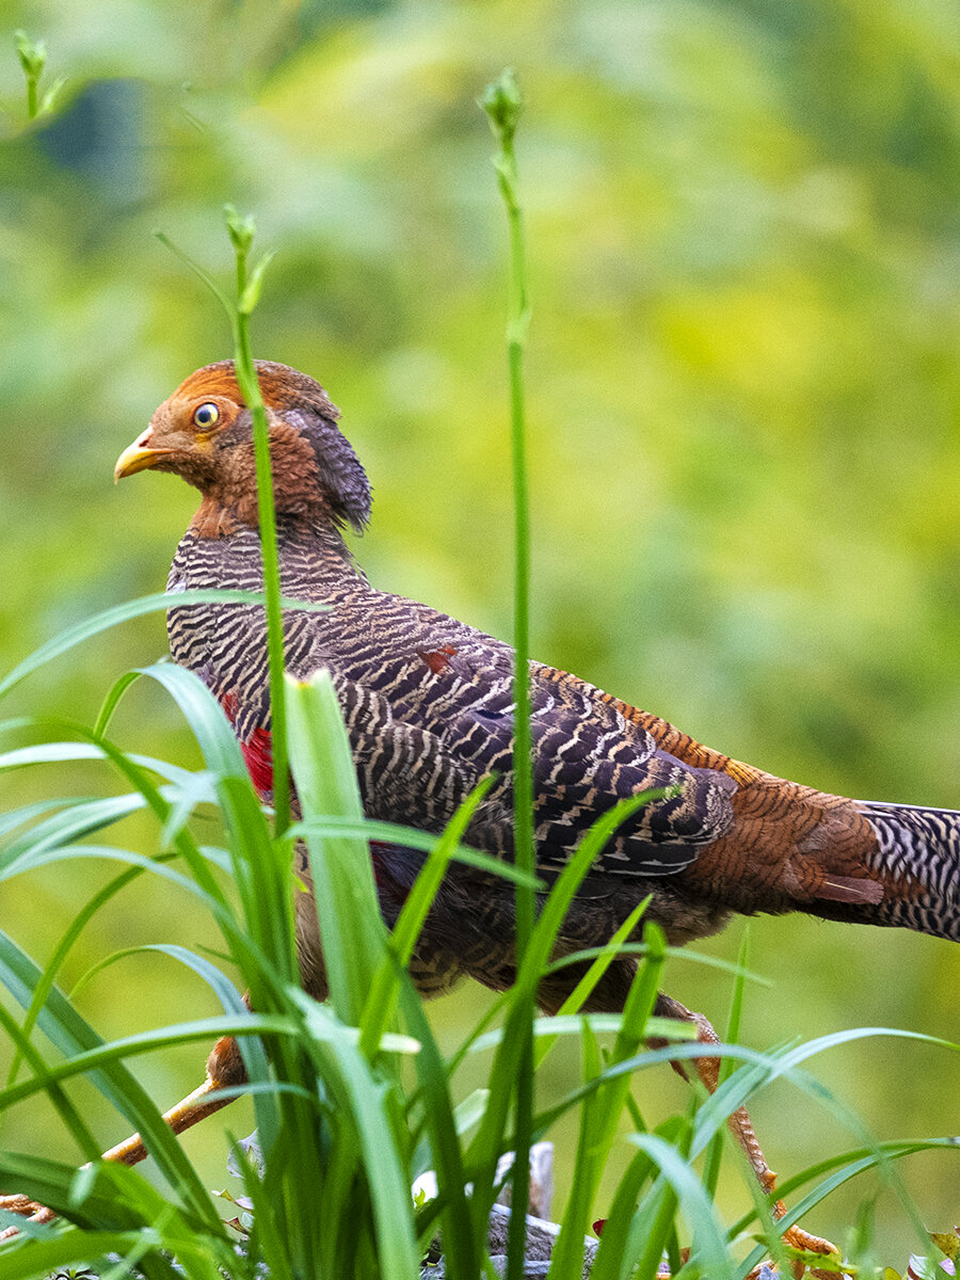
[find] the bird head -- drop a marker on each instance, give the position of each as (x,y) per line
(204,433)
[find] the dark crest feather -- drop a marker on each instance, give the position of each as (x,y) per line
(306,406)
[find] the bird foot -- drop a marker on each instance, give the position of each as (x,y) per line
(24,1208)
(796,1238)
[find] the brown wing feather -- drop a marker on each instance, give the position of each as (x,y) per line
(800,844)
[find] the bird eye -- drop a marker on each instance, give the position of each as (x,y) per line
(205,416)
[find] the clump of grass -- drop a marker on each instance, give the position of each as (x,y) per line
(342,1133)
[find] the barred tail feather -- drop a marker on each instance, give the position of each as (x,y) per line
(918,861)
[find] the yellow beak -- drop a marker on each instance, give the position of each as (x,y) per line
(137,457)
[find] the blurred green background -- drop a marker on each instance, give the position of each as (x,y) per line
(744,243)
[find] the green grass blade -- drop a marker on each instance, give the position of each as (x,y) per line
(366,1100)
(503,104)
(73,1036)
(223,988)
(84,818)
(35,1258)
(421,896)
(112,701)
(355,939)
(62,950)
(563,892)
(18,817)
(70,637)
(68,1113)
(68,853)
(610,1261)
(673,953)
(894,1149)
(73,752)
(709,1245)
(381,999)
(411,838)
(711,1173)
(462,1247)
(262,870)
(572,1024)
(567,1256)
(601,963)
(103,1057)
(267,1244)
(602,1109)
(489,1142)
(189,787)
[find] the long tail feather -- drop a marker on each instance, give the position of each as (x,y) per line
(918,862)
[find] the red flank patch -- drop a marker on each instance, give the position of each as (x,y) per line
(437,659)
(258,757)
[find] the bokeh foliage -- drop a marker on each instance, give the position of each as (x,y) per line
(743,246)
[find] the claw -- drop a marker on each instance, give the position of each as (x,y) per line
(24,1208)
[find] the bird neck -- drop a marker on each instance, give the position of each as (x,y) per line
(314,551)
(311,547)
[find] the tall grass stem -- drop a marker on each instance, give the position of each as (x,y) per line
(503,104)
(241,235)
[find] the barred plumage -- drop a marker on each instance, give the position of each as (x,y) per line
(427,704)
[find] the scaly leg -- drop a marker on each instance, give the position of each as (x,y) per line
(225,1070)
(708,1070)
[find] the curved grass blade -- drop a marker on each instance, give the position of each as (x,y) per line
(735,1091)
(609,1261)
(604,958)
(105,1056)
(81,819)
(602,1109)
(488,1144)
(21,1261)
(860,1162)
(136,769)
(86,629)
(17,817)
(74,929)
(672,953)
(110,853)
(73,1036)
(72,752)
(112,701)
(65,1109)
(709,1243)
(223,988)
(381,998)
(262,869)
(410,838)
(572,1024)
(567,1256)
(248,291)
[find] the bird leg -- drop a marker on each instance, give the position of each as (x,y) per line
(225,1070)
(708,1069)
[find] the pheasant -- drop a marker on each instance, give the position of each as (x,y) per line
(427,702)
